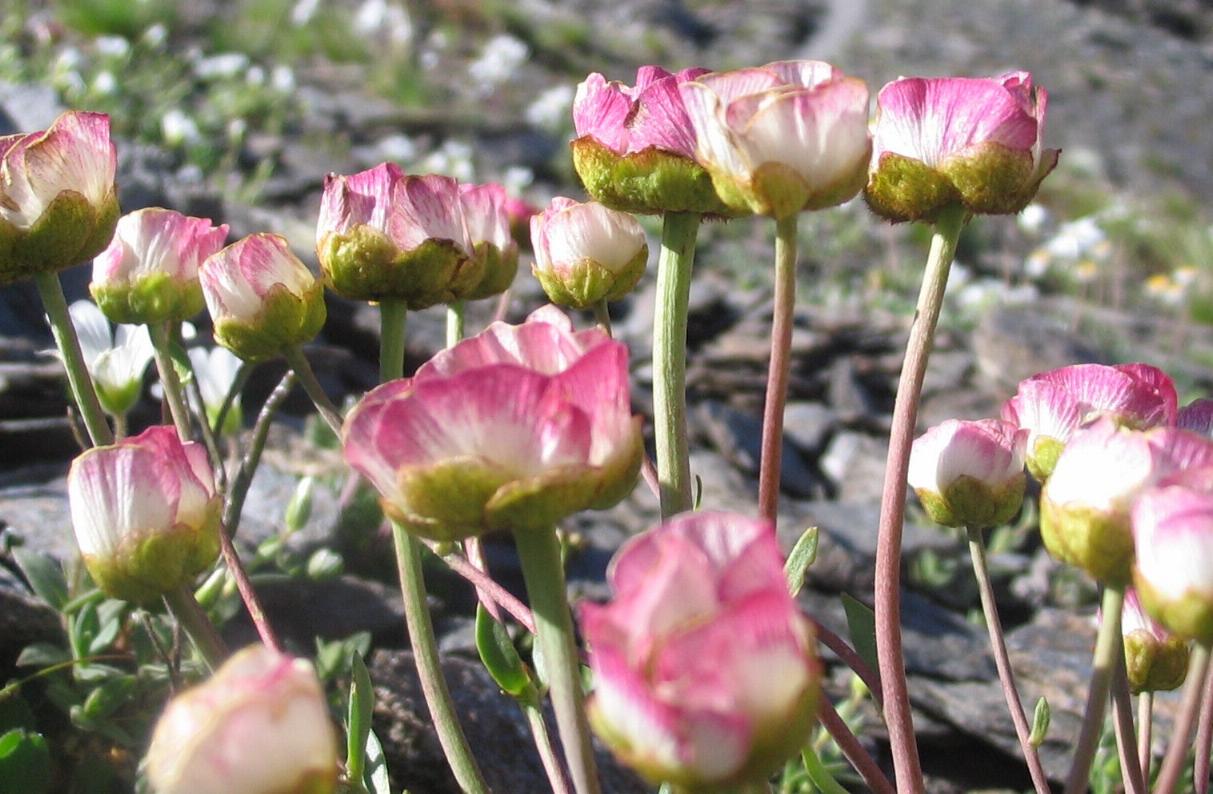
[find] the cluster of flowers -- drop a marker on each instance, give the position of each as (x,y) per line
(706,673)
(1127,493)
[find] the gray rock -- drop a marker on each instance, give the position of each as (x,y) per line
(26,108)
(738,437)
(809,425)
(855,463)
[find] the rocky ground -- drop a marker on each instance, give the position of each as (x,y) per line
(1126,104)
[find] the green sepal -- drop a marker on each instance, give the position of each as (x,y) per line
(1098,541)
(364,264)
(904,189)
(285,321)
(537,503)
(969,502)
(1155,665)
(586,281)
(649,182)
(499,266)
(146,565)
(1189,616)
(446,501)
(154,298)
(1042,457)
(120,400)
(991,178)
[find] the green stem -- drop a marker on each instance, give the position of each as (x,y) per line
(392,315)
(169,381)
(777,375)
(208,434)
(1002,661)
(454,323)
(229,399)
(429,667)
(678,234)
(602,316)
(818,773)
(197,625)
(1181,735)
(543,572)
(1107,646)
(1122,723)
(1145,725)
(893,502)
(78,378)
(252,455)
(307,379)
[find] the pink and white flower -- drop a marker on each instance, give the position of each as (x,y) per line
(781,138)
(1155,659)
(976,142)
(261,297)
(705,672)
(1052,405)
(260,725)
(145,512)
(1086,502)
(969,474)
(586,253)
(58,201)
(383,234)
(1173,534)
(149,272)
(514,428)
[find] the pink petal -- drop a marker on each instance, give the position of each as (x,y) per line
(930,119)
(990,451)
(155,240)
(428,208)
(600,110)
(362,198)
(361,430)
(807,74)
(1173,537)
(1197,416)
(660,119)
(484,209)
(1180,449)
(75,154)
(544,343)
(236,279)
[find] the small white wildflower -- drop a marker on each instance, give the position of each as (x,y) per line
(112,46)
(105,82)
(1033,219)
(429,60)
(282,78)
(500,58)
(178,128)
(116,359)
(156,35)
(255,76)
(303,11)
(516,179)
(223,65)
(389,21)
(552,109)
(398,148)
(1076,238)
(216,371)
(1037,264)
(453,159)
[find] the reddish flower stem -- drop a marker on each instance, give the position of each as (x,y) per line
(777,375)
(492,595)
(852,749)
(893,502)
(248,594)
(1108,645)
(850,658)
(1177,752)
(1204,739)
(1126,738)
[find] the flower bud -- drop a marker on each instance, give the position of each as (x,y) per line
(706,675)
(386,236)
(1085,504)
(262,299)
(1173,536)
(58,201)
(969,474)
(586,253)
(260,725)
(515,428)
(1155,659)
(1052,405)
(146,514)
(149,272)
(785,137)
(488,221)
(974,142)
(635,146)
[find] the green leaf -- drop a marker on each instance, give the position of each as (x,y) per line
(44,575)
(25,763)
(376,776)
(861,623)
(324,564)
(500,657)
(697,500)
(803,555)
(42,654)
(362,705)
(1040,723)
(105,699)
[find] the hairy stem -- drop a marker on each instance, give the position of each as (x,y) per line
(1177,751)
(893,503)
(777,375)
(191,617)
(977,550)
(678,234)
(543,573)
(1108,643)
(83,392)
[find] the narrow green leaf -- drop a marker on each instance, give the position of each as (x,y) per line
(861,623)
(362,705)
(499,655)
(376,776)
(42,654)
(1040,722)
(44,575)
(803,555)
(697,501)
(25,763)
(105,699)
